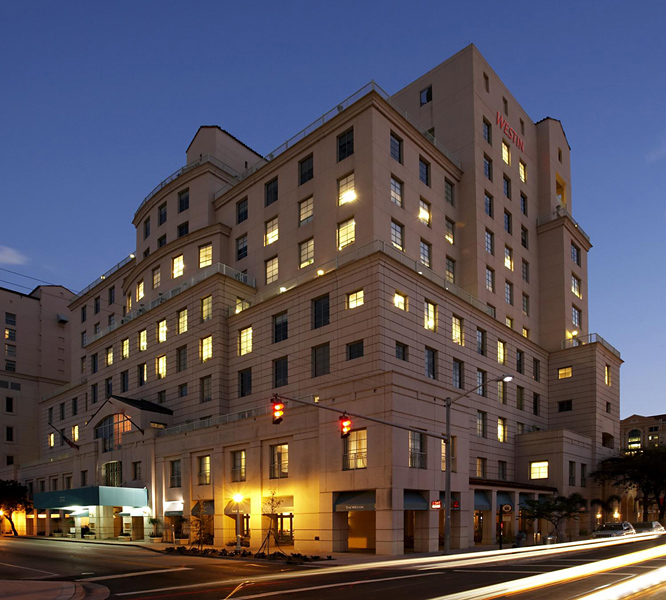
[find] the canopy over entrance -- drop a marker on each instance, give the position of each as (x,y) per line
(355,501)
(92,496)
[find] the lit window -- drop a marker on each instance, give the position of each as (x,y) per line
(450,228)
(271,270)
(502,433)
(539,470)
(206,308)
(346,192)
(508,258)
(109,356)
(526,332)
(205,255)
(506,153)
(161,367)
(75,433)
(430,316)
(425,253)
(306,249)
(501,352)
(178,266)
(305,211)
(457,331)
(346,233)
(450,270)
(400,301)
(143,340)
(162,331)
(607,375)
(397,235)
(206,348)
(508,322)
(245,341)
(126,348)
(424,212)
(396,191)
(490,242)
(576,286)
(490,279)
(182,321)
(157,277)
(241,305)
(139,290)
(356,450)
(424,171)
(576,316)
(501,392)
(522,171)
(271,234)
(51,439)
(564,372)
(355,299)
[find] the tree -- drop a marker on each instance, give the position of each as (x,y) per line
(643,471)
(555,509)
(13,498)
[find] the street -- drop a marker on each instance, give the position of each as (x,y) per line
(138,573)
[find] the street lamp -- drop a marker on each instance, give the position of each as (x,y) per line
(447,449)
(238,498)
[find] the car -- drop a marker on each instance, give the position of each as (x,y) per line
(649,527)
(612,530)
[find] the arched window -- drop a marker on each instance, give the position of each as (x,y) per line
(634,440)
(111,429)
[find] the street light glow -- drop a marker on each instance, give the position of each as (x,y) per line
(238,497)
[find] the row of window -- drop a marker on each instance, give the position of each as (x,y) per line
(183,205)
(506,149)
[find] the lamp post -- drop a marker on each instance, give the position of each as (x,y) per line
(238,498)
(447,449)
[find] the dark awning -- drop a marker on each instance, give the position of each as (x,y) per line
(143,405)
(521,499)
(481,500)
(92,496)
(504,498)
(208,508)
(173,509)
(415,501)
(355,501)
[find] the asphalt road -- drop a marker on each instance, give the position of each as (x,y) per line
(135,573)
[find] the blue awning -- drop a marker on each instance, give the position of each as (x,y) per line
(521,499)
(481,500)
(355,501)
(415,501)
(92,496)
(504,498)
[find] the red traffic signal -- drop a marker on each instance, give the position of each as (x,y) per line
(278,412)
(345,426)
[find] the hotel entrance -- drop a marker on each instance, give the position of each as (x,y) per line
(354,519)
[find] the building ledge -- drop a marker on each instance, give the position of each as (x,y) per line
(592,338)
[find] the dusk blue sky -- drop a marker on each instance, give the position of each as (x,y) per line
(99,101)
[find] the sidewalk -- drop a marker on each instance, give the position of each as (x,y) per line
(52,590)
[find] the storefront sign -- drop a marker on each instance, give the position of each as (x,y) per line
(510,132)
(506,508)
(436,504)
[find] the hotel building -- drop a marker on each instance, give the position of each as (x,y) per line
(398,251)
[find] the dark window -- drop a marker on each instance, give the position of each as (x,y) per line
(10,365)
(489,204)
(280,327)
(241,247)
(424,171)
(161,241)
(181,358)
(520,361)
(93,393)
(141,372)
(50,417)
(320,312)
(62,411)
(448,192)
(183,229)
(271,191)
(508,224)
(426,95)
(245,382)
(146,228)
(161,397)
(9,434)
(280,372)
(536,369)
(507,186)
(182,390)
(305,170)
(355,350)
(523,204)
(524,237)
(84,314)
(108,387)
(183,200)
(396,148)
(345,144)
(535,403)
(565,406)
(488,168)
(401,351)
(457,374)
(93,363)
(97,304)
(75,406)
(487,131)
(162,214)
(575,254)
(431,363)
(321,360)
(206,389)
(241,211)
(124,381)
(10,318)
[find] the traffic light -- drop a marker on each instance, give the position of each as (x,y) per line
(345,426)
(278,412)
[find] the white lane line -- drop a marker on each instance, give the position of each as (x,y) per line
(28,568)
(282,592)
(497,571)
(134,574)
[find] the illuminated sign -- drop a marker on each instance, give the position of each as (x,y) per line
(436,504)
(510,132)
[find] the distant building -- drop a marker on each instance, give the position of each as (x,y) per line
(400,250)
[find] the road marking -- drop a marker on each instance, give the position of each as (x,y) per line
(134,574)
(281,592)
(497,571)
(28,568)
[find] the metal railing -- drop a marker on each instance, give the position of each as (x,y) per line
(346,103)
(354,255)
(112,270)
(188,167)
(592,338)
(558,213)
(220,268)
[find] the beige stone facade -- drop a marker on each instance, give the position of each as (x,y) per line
(373,264)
